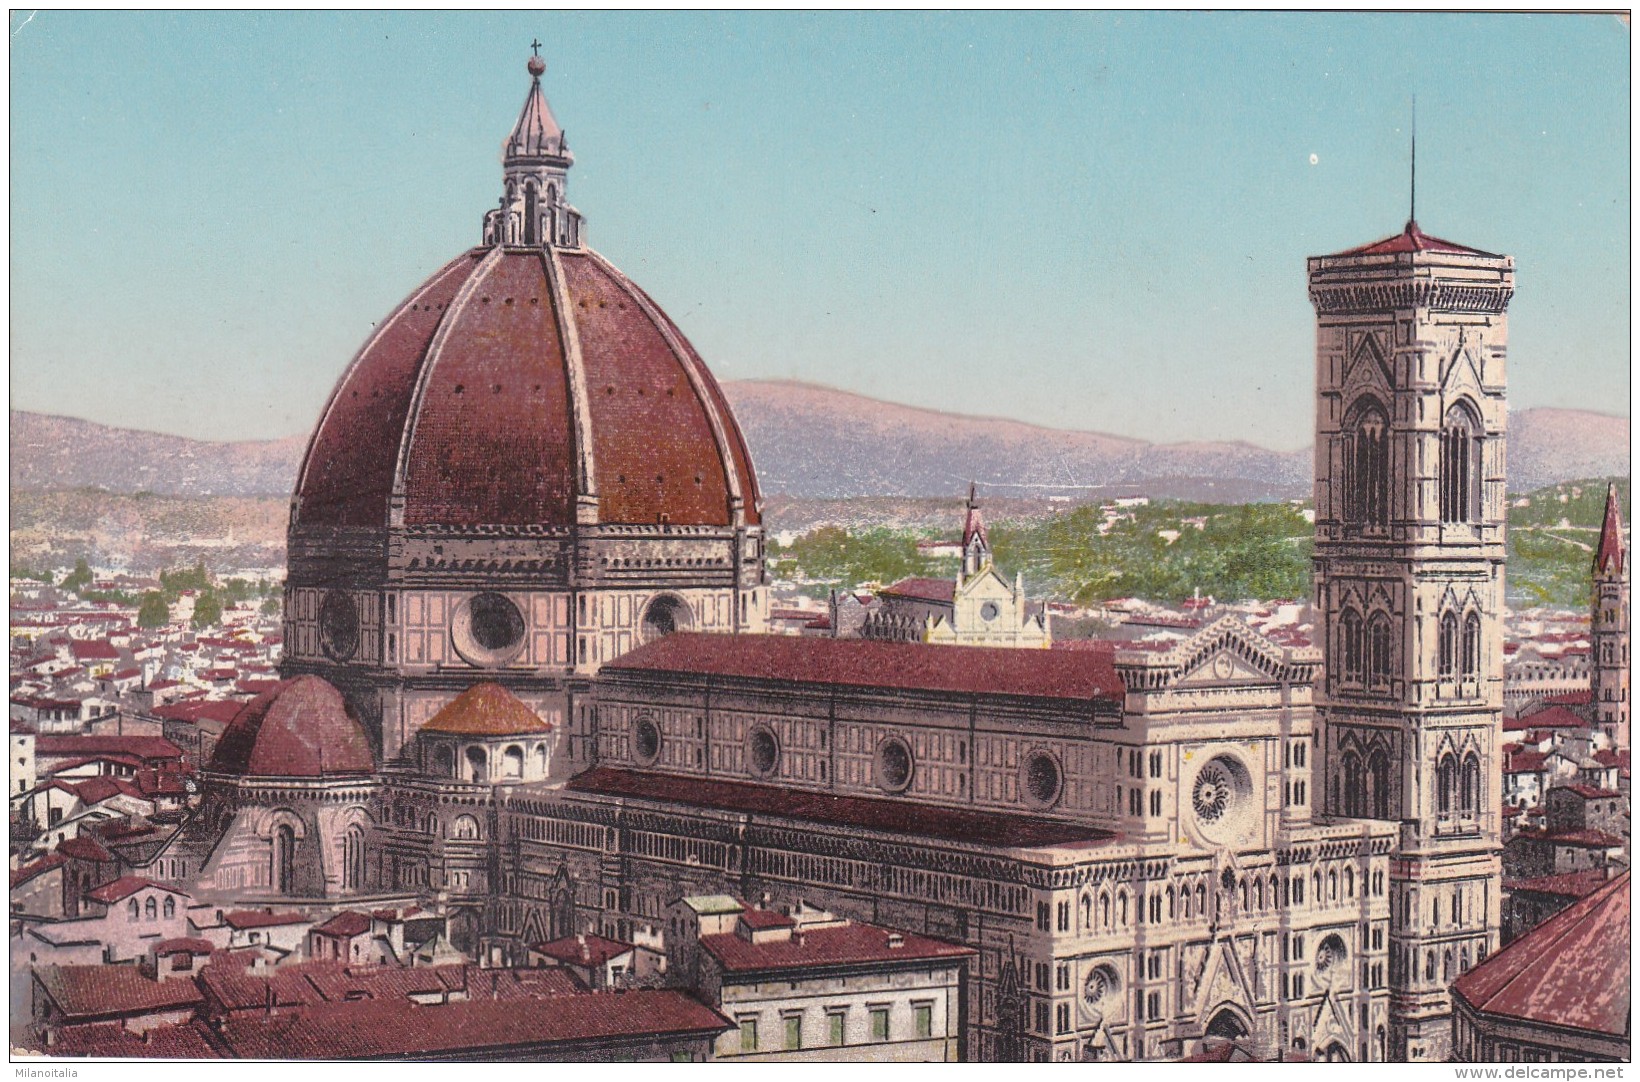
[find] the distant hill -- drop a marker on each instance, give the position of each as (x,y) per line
(813,442)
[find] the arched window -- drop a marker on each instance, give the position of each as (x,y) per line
(1349,882)
(1332,885)
(1171,911)
(1378,784)
(132,910)
(284,858)
(541,760)
(1201,900)
(444,761)
(1355,803)
(1122,908)
(1087,912)
(1445,782)
(1352,646)
(1472,645)
(170,907)
(1448,646)
(1378,659)
(531,214)
(1104,912)
(465,827)
(353,858)
(478,765)
(1469,788)
(512,761)
(1460,466)
(1366,466)
(150,909)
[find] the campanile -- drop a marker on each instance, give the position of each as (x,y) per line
(1411,337)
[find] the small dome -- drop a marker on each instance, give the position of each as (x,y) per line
(486,710)
(301,728)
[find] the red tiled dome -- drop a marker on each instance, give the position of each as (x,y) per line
(301,728)
(514,383)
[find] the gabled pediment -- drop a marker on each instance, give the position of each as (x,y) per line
(1225,981)
(987,584)
(1227,650)
(1368,371)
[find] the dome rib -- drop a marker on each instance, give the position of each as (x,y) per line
(430,359)
(586,487)
(339,499)
(694,371)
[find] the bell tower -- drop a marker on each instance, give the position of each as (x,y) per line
(1609,627)
(1409,574)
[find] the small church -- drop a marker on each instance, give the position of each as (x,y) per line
(977,608)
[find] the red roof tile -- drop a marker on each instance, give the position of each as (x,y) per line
(1587,839)
(849,944)
(587,950)
(494,438)
(1580,697)
(111,1040)
(864,813)
(37,868)
(761,919)
(1572,971)
(1565,885)
(302,729)
(344,925)
(940,590)
(399,1029)
(1589,792)
(183,945)
(127,885)
(1552,717)
(99,992)
(1412,239)
(143,747)
(486,709)
(969,670)
(242,919)
(85,847)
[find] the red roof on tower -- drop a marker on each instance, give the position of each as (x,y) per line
(1412,239)
(1611,556)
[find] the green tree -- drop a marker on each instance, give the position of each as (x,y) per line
(207,610)
(153,611)
(270,607)
(79,578)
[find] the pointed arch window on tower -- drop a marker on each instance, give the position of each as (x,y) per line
(1472,646)
(1469,785)
(1355,803)
(1378,784)
(1448,646)
(1460,466)
(1446,779)
(1352,647)
(1378,651)
(1366,467)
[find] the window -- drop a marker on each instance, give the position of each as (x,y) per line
(1153,1006)
(879,1023)
(170,908)
(1378,659)
(794,1031)
(132,910)
(1445,782)
(1366,466)
(1042,916)
(1062,1018)
(1352,647)
(922,1015)
(834,1027)
(1155,802)
(1352,781)
(748,1035)
(1460,466)
(1472,646)
(1062,978)
(1065,916)
(1469,787)
(1449,646)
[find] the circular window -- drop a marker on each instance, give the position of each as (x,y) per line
(338,626)
(1219,795)
(1041,778)
(488,630)
(989,611)
(762,752)
(646,741)
(894,764)
(1329,961)
(1100,992)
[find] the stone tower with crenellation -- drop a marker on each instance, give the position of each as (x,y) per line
(1411,337)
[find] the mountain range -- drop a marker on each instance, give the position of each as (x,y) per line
(812,442)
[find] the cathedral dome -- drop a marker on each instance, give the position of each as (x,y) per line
(301,728)
(528,382)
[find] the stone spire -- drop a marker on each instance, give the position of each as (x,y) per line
(535,162)
(1611,558)
(976,543)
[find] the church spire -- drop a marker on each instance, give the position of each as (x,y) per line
(1612,555)
(976,543)
(535,162)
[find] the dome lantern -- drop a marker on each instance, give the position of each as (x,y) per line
(535,161)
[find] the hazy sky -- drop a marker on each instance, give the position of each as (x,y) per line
(1084,220)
